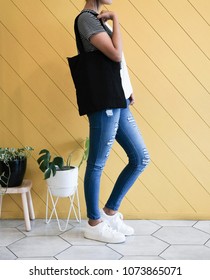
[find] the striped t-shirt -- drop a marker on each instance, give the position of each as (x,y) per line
(89,25)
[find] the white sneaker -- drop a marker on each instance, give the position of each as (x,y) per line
(104,233)
(116,222)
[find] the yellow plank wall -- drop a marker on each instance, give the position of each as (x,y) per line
(167,47)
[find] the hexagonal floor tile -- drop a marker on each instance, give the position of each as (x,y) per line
(75,236)
(88,253)
(182,235)
(143,258)
(140,245)
(11,223)
(174,223)
(37,258)
(75,223)
(5,254)
(39,246)
(9,235)
(39,227)
(186,252)
(142,227)
(208,244)
(203,225)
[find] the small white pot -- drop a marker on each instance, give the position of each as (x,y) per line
(64,183)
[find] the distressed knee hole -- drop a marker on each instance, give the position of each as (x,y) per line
(131,121)
(111,141)
(109,113)
(146,158)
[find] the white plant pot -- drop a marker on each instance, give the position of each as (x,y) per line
(64,183)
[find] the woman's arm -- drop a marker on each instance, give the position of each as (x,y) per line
(111,47)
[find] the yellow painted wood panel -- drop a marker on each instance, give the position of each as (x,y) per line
(167,49)
(39,15)
(65,12)
(38,48)
(26,101)
(202,7)
(178,110)
(191,22)
(176,38)
(169,61)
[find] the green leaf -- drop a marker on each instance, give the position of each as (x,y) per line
(53,170)
(87,143)
(52,167)
(44,151)
(41,158)
(45,156)
(47,173)
(58,161)
(68,162)
(43,166)
(87,147)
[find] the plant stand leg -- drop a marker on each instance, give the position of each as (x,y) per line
(54,211)
(78,218)
(54,203)
(79,209)
(47,207)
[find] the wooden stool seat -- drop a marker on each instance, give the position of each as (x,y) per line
(25,191)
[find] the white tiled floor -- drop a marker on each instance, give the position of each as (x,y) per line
(153,240)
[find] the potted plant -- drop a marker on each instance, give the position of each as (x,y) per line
(13,162)
(61,176)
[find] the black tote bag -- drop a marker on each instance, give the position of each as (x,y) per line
(96,78)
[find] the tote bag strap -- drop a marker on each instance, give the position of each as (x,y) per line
(80,46)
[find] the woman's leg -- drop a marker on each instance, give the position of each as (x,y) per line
(130,138)
(103,129)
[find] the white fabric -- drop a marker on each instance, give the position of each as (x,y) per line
(126,83)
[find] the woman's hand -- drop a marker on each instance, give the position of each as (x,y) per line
(107,15)
(132,99)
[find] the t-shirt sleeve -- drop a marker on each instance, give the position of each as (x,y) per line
(89,25)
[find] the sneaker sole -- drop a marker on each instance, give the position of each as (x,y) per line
(128,234)
(104,241)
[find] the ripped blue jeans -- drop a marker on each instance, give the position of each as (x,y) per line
(105,127)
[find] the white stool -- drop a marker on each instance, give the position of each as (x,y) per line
(25,191)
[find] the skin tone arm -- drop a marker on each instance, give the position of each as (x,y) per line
(111,47)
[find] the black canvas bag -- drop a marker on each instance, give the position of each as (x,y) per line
(96,78)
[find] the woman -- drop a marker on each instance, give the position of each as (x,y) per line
(107,224)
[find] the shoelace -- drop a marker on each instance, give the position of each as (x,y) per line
(107,228)
(119,220)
